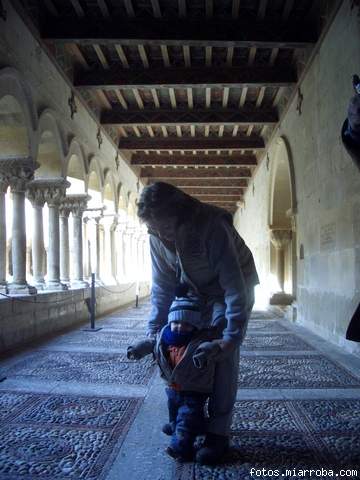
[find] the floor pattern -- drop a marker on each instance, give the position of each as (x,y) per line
(294,371)
(77,430)
(85,367)
(287,438)
(61,436)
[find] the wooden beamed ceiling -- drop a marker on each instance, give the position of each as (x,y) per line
(190,143)
(184,116)
(190,90)
(188,160)
(242,33)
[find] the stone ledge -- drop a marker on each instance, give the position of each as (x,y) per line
(21,323)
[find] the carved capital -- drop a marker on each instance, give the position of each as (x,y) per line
(64,210)
(35,194)
(77,203)
(280,237)
(17,172)
(4,183)
(54,190)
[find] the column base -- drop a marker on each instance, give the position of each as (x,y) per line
(4,288)
(40,285)
(55,286)
(79,284)
(21,289)
(281,298)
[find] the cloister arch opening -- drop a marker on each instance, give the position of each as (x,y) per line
(14,131)
(282,226)
(15,146)
(109,223)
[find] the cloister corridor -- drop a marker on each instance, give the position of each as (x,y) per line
(73,406)
(248,106)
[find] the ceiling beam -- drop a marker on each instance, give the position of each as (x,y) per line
(199,77)
(199,191)
(190,117)
(187,160)
(164,173)
(189,143)
(208,183)
(218,198)
(179,32)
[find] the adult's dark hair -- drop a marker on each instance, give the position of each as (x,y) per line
(164,200)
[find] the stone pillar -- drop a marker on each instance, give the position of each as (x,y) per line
(108,251)
(64,212)
(77,204)
(54,194)
(19,171)
(97,247)
(280,239)
(86,248)
(35,193)
(120,252)
(127,254)
(114,248)
(3,187)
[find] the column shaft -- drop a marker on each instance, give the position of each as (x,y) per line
(98,253)
(2,239)
(78,249)
(53,258)
(64,249)
(280,267)
(18,239)
(38,246)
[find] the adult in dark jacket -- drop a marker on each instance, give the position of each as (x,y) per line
(194,244)
(350,132)
(350,135)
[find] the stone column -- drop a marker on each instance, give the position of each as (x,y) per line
(35,193)
(97,247)
(64,212)
(127,254)
(280,239)
(54,194)
(20,172)
(86,248)
(108,253)
(120,251)
(77,204)
(114,248)
(3,187)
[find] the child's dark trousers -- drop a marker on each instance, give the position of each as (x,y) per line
(187,418)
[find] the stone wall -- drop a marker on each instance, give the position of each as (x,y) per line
(326,190)
(28,318)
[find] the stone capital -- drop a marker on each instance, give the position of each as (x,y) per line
(77,203)
(35,194)
(64,210)
(280,237)
(54,190)
(17,172)
(4,183)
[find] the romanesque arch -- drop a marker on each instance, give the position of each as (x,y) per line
(51,147)
(18,118)
(282,223)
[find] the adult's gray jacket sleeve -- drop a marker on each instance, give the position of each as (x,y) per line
(224,258)
(163,286)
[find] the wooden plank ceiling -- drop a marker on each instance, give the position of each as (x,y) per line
(190,90)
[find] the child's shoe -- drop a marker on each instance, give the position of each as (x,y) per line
(168,429)
(180,457)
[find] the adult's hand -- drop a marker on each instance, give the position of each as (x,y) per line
(205,353)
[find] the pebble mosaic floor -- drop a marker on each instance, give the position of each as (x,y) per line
(75,408)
